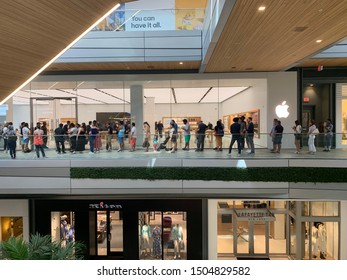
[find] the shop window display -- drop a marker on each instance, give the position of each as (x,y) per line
(63,227)
(11,227)
(162,235)
(321,240)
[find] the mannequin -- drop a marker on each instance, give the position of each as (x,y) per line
(156,234)
(177,237)
(319,240)
(146,234)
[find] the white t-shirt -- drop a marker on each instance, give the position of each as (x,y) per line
(134,132)
(25,132)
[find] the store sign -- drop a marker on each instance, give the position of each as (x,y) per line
(254,215)
(102,205)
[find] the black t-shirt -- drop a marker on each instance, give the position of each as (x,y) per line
(279,129)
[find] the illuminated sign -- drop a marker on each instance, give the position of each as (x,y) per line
(282,110)
(254,215)
(102,205)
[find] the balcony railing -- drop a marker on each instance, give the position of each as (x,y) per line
(164,146)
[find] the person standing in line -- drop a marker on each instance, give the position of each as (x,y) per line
(186,133)
(173,136)
(328,135)
(273,134)
(109,137)
(11,140)
(4,136)
(133,137)
(146,135)
(121,133)
(160,127)
(25,137)
(59,138)
(242,131)
(278,137)
(219,133)
(38,141)
(45,134)
(250,135)
(92,135)
(298,135)
(235,136)
(201,130)
(20,135)
(312,131)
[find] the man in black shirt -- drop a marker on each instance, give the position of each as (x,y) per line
(278,137)
(235,136)
(59,138)
(201,136)
(160,129)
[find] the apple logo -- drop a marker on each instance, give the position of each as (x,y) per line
(282,110)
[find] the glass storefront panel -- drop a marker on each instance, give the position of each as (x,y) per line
(325,208)
(292,236)
(101,235)
(321,240)
(259,231)
(116,231)
(63,227)
(224,228)
(277,240)
(162,235)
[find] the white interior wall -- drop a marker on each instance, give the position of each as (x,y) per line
(282,86)
(251,99)
(16,208)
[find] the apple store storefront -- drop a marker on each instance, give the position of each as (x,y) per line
(153,98)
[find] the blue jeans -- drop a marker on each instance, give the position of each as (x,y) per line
(91,144)
(237,139)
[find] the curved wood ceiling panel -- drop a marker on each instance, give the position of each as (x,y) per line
(32,32)
(278,38)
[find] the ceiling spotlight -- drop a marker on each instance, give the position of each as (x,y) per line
(181,62)
(319,41)
(261,8)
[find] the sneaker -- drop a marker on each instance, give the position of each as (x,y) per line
(238,155)
(91,153)
(229,154)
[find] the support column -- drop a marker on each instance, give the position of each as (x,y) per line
(149,112)
(9,113)
(136,109)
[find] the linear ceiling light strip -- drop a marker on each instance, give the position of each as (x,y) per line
(174,94)
(83,96)
(104,92)
(205,94)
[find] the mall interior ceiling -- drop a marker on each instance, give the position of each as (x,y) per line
(286,34)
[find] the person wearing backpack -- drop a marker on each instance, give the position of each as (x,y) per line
(219,133)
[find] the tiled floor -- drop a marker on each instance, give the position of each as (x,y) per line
(180,154)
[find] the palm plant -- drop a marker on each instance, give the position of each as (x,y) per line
(40,247)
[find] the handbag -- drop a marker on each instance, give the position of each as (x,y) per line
(182,245)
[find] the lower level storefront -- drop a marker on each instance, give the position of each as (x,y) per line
(262,229)
(126,229)
(169,229)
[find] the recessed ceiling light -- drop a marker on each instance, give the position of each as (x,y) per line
(181,62)
(261,8)
(319,41)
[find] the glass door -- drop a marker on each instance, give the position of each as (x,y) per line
(251,239)
(108,233)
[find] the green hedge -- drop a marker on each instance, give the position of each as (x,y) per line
(265,174)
